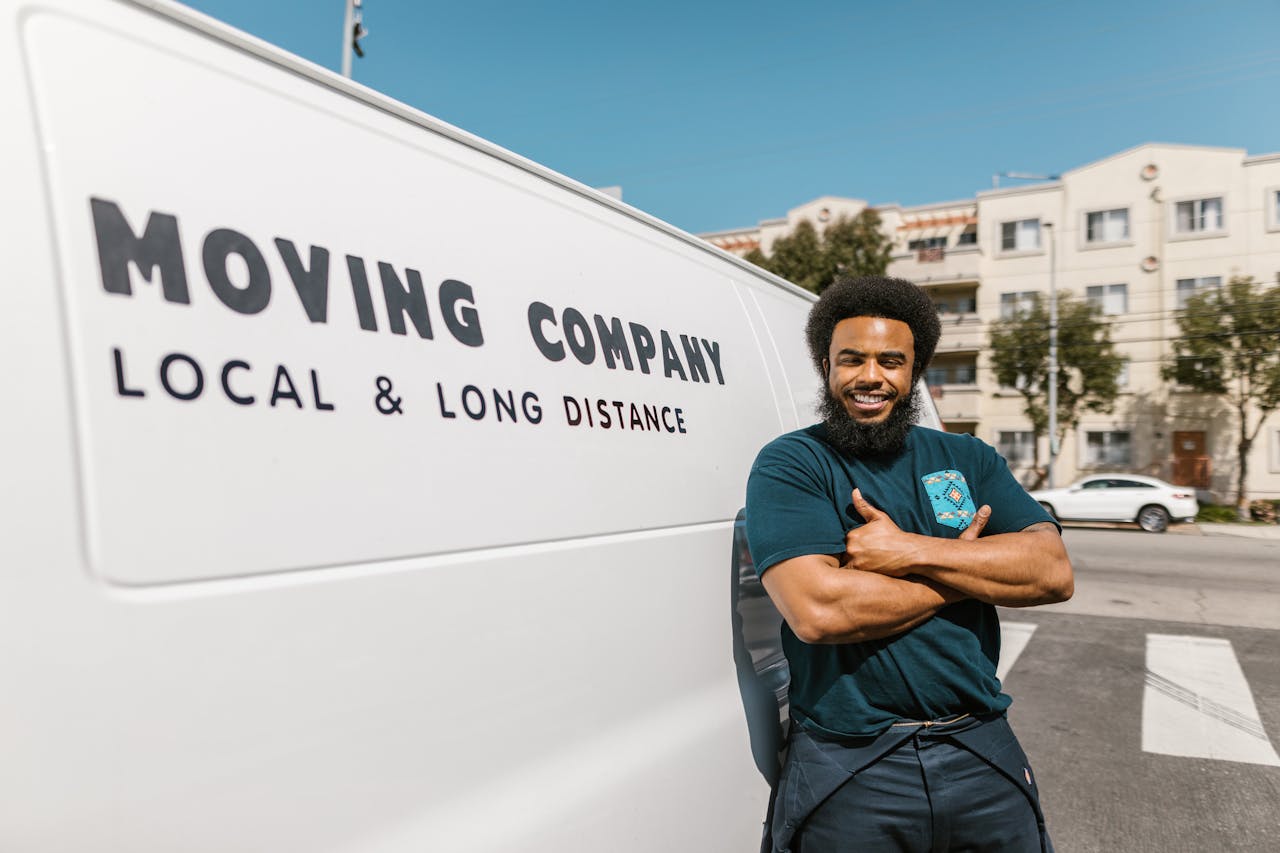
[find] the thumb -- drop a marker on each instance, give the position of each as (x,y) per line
(980,519)
(864,508)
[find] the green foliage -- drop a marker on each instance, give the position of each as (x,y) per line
(1229,347)
(1088,366)
(813,260)
(857,246)
(799,257)
(1215,514)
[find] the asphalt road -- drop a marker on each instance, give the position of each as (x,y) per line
(1082,685)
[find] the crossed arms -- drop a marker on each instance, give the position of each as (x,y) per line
(889,580)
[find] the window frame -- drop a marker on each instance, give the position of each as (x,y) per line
(1106,292)
(1271,207)
(1179,303)
(1019,297)
(1086,455)
(1126,240)
(1025,444)
(1175,233)
(1038,249)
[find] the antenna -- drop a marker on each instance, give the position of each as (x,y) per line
(1020,176)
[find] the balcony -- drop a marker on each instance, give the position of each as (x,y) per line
(957,403)
(936,265)
(961,333)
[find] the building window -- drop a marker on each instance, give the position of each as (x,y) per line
(1018,448)
(1013,304)
(1198,216)
(1107,448)
(956,304)
(1107,226)
(1122,378)
(927,243)
(970,238)
(1189,287)
(952,374)
(1109,298)
(1020,236)
(1275,208)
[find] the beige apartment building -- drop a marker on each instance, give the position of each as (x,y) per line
(1138,233)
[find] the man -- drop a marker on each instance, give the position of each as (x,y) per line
(864,529)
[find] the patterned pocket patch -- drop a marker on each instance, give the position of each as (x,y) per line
(949,494)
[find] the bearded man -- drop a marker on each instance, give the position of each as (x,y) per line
(865,531)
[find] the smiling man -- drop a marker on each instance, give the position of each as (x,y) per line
(865,531)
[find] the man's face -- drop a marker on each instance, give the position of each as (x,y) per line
(869,367)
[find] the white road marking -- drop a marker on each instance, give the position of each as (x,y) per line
(1013,640)
(1197,703)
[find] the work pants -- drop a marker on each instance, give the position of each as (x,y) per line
(962,785)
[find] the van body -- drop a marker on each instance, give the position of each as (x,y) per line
(367,487)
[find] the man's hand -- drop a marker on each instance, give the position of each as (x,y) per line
(882,547)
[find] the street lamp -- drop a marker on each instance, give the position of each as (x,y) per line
(1053,356)
(352,31)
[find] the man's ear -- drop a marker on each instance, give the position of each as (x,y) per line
(826,367)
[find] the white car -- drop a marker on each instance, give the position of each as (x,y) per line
(1150,502)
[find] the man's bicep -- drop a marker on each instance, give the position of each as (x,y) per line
(800,584)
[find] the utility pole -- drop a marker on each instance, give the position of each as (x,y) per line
(1053,354)
(352,31)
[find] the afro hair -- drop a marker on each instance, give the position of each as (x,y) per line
(874,296)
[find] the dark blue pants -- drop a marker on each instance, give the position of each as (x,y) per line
(960,786)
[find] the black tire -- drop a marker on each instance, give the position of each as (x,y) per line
(1049,509)
(1153,518)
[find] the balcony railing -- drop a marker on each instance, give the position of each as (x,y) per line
(957,402)
(935,255)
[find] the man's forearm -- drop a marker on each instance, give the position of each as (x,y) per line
(871,607)
(1011,569)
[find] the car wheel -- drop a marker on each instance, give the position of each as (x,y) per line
(1049,509)
(1153,519)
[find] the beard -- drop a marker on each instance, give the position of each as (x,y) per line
(856,439)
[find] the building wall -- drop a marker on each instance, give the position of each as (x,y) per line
(1147,257)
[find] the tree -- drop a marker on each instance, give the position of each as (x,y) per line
(846,247)
(1088,367)
(857,246)
(799,257)
(1229,346)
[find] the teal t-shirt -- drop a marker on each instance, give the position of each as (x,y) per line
(799,501)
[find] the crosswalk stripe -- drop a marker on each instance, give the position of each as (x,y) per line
(1196,703)
(1014,637)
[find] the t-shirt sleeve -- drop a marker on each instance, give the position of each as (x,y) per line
(789,513)
(1012,509)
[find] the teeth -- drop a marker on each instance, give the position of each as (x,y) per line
(867,398)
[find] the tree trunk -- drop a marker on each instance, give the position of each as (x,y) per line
(1242,497)
(1040,473)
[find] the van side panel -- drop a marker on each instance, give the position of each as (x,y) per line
(365,490)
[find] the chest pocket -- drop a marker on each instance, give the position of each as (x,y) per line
(949,497)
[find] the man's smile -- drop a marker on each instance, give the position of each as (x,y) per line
(869,402)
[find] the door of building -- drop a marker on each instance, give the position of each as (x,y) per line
(1191,465)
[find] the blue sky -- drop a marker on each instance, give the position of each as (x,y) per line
(719,114)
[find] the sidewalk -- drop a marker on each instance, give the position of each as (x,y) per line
(1203,528)
(1250,531)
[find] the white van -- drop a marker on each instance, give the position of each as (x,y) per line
(366,487)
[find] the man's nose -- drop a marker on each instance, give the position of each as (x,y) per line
(870,374)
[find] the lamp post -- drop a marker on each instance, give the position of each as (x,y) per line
(1053,355)
(352,31)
